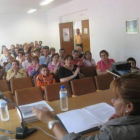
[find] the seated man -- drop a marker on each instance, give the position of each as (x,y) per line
(45,59)
(76,60)
(133,63)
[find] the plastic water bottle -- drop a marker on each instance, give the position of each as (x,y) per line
(4,110)
(63,99)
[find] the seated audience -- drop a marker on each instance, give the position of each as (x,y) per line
(9,65)
(16,52)
(3,54)
(45,59)
(37,52)
(40,44)
(123,125)
(76,60)
(12,51)
(104,64)
(55,64)
(52,51)
(27,61)
(133,63)
(61,54)
(26,47)
(20,57)
(36,43)
(88,61)
(44,78)
(33,69)
(79,49)
(69,71)
(7,57)
(15,71)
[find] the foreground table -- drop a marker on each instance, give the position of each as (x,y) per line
(74,103)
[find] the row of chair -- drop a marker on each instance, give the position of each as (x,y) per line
(34,94)
(102,82)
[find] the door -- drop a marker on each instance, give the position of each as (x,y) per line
(66,37)
(85,35)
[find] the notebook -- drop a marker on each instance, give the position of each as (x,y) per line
(87,119)
(27,113)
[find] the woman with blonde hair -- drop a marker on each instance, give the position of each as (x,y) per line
(123,125)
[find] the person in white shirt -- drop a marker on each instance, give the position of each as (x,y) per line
(88,61)
(27,61)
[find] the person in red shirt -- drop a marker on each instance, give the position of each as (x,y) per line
(76,60)
(45,77)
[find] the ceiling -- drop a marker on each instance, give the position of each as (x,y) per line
(22,6)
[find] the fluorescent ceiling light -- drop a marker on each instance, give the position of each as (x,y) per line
(32,10)
(46,2)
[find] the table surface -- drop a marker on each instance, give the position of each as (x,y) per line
(74,103)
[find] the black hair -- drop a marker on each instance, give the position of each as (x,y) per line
(42,66)
(46,47)
(62,49)
(131,59)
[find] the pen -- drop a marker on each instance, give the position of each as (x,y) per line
(6,131)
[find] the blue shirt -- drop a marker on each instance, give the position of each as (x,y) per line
(42,60)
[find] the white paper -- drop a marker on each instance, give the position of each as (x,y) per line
(101,111)
(77,121)
(89,117)
(27,110)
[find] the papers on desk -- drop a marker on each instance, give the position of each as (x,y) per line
(86,118)
(27,110)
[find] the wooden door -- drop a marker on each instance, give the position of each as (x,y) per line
(85,35)
(66,36)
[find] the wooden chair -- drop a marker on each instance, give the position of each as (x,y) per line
(28,95)
(83,86)
(4,86)
(89,71)
(8,94)
(20,83)
(52,91)
(103,81)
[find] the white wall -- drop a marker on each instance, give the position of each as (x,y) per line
(107,25)
(21,28)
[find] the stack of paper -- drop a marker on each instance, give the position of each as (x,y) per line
(27,113)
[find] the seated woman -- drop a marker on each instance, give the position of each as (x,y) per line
(34,68)
(104,64)
(133,63)
(20,57)
(55,64)
(69,71)
(15,71)
(88,61)
(123,125)
(44,78)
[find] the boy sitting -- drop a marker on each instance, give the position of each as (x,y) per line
(45,77)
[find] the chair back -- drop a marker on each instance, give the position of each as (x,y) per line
(28,95)
(83,86)
(52,91)
(4,86)
(20,83)
(8,94)
(103,81)
(89,71)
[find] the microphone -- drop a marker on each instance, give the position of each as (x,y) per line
(23,131)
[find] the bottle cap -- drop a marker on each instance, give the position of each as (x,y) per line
(2,103)
(62,86)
